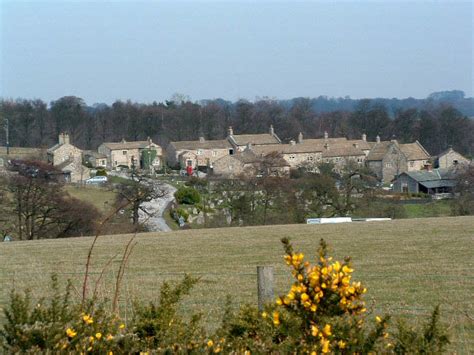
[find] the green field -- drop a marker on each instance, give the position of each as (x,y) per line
(409,265)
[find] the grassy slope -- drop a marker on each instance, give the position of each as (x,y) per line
(408,265)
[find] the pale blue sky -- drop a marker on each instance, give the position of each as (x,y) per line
(146,51)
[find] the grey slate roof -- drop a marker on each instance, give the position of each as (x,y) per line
(193,145)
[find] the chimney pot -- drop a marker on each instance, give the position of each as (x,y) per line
(230,131)
(326,135)
(201,139)
(292,142)
(377,139)
(272,131)
(364,137)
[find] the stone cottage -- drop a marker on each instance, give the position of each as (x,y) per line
(141,154)
(68,158)
(200,153)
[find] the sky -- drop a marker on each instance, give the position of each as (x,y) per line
(147,51)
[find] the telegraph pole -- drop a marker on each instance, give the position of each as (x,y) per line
(7,134)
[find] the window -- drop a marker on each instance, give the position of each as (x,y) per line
(292,157)
(310,158)
(231,152)
(388,165)
(189,163)
(214,153)
(124,152)
(199,152)
(455,162)
(412,164)
(102,162)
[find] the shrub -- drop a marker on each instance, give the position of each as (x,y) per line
(187,196)
(101,172)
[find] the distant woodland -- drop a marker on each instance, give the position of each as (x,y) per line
(443,119)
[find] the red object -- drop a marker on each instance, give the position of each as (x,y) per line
(189,170)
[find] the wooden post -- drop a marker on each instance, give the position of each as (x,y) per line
(265,285)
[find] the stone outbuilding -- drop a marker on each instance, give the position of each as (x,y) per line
(450,158)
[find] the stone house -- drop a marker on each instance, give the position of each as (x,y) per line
(68,158)
(450,158)
(248,163)
(431,181)
(388,159)
(200,153)
(141,154)
(307,152)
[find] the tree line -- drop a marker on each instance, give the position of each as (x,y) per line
(34,123)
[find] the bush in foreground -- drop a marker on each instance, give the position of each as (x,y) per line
(323,312)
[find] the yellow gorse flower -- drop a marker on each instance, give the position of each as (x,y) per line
(210,343)
(71,333)
(98,335)
(87,319)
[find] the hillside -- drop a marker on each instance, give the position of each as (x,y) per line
(408,265)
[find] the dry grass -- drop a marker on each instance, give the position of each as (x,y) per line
(408,265)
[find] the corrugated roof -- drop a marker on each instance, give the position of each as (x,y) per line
(192,145)
(438,183)
(414,151)
(433,175)
(257,139)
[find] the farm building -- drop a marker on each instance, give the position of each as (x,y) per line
(427,181)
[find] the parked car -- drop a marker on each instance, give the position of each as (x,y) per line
(97,180)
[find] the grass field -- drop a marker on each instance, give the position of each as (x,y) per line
(101,198)
(432,209)
(408,265)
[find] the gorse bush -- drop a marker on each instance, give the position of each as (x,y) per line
(323,312)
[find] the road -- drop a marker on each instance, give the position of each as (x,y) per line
(154,221)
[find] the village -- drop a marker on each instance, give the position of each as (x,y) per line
(405,168)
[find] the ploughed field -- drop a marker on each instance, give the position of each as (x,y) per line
(408,266)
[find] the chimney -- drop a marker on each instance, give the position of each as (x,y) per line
(66,138)
(149,140)
(394,139)
(300,138)
(292,142)
(61,138)
(272,131)
(230,131)
(326,135)
(123,140)
(377,139)
(201,139)
(364,137)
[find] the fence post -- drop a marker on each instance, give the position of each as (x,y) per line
(265,285)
